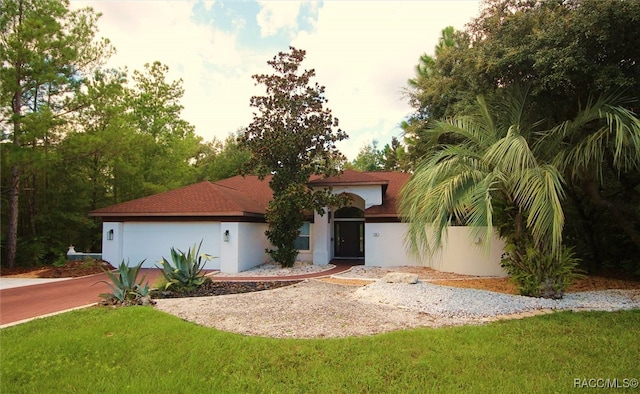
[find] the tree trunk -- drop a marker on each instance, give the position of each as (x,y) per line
(14,191)
(591,189)
(12,227)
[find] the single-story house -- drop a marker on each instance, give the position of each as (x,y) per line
(228,217)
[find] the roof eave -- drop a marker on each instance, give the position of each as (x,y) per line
(175,214)
(355,183)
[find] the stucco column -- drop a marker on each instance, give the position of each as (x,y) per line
(229,247)
(321,238)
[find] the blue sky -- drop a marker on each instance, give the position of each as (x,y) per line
(363,53)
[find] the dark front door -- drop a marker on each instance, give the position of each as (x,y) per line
(349,239)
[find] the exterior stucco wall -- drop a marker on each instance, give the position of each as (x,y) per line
(464,255)
(252,249)
(112,248)
(385,247)
(371,194)
(245,247)
(150,241)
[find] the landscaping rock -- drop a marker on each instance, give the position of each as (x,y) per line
(400,277)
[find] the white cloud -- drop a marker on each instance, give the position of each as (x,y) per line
(277,15)
(363,52)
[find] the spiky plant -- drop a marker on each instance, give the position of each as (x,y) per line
(185,269)
(126,289)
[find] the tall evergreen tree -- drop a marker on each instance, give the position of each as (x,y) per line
(292,137)
(47,51)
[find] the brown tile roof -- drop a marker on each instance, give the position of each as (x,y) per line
(202,199)
(389,207)
(251,186)
(351,177)
(245,196)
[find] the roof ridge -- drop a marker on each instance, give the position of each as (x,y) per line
(240,191)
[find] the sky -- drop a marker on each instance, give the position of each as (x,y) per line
(363,52)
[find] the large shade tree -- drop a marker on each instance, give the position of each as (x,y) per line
(291,138)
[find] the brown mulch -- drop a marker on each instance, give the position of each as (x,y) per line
(216,288)
(72,269)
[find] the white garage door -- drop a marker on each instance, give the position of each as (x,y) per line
(151,241)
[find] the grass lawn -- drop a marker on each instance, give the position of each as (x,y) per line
(141,350)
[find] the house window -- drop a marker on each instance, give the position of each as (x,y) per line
(303,241)
(110,235)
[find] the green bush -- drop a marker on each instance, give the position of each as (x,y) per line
(61,261)
(185,270)
(127,290)
(539,274)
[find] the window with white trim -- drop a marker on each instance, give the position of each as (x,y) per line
(303,242)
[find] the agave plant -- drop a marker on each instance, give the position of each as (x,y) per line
(185,269)
(127,290)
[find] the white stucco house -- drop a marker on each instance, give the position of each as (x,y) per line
(228,216)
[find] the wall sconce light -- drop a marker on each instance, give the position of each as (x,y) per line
(110,235)
(225,236)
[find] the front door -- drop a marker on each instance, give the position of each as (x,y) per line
(349,239)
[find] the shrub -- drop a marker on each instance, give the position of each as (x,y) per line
(539,274)
(127,290)
(185,270)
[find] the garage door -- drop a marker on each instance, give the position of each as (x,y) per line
(151,241)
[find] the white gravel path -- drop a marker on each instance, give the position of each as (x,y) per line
(453,302)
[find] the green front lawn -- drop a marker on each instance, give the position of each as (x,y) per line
(141,350)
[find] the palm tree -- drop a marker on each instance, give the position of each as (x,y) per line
(490,178)
(603,138)
(506,171)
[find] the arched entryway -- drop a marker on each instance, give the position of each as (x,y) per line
(348,231)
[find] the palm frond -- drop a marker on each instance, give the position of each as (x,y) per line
(603,124)
(511,153)
(540,192)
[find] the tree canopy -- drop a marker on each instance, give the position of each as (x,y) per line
(291,138)
(582,74)
(78,136)
(47,52)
